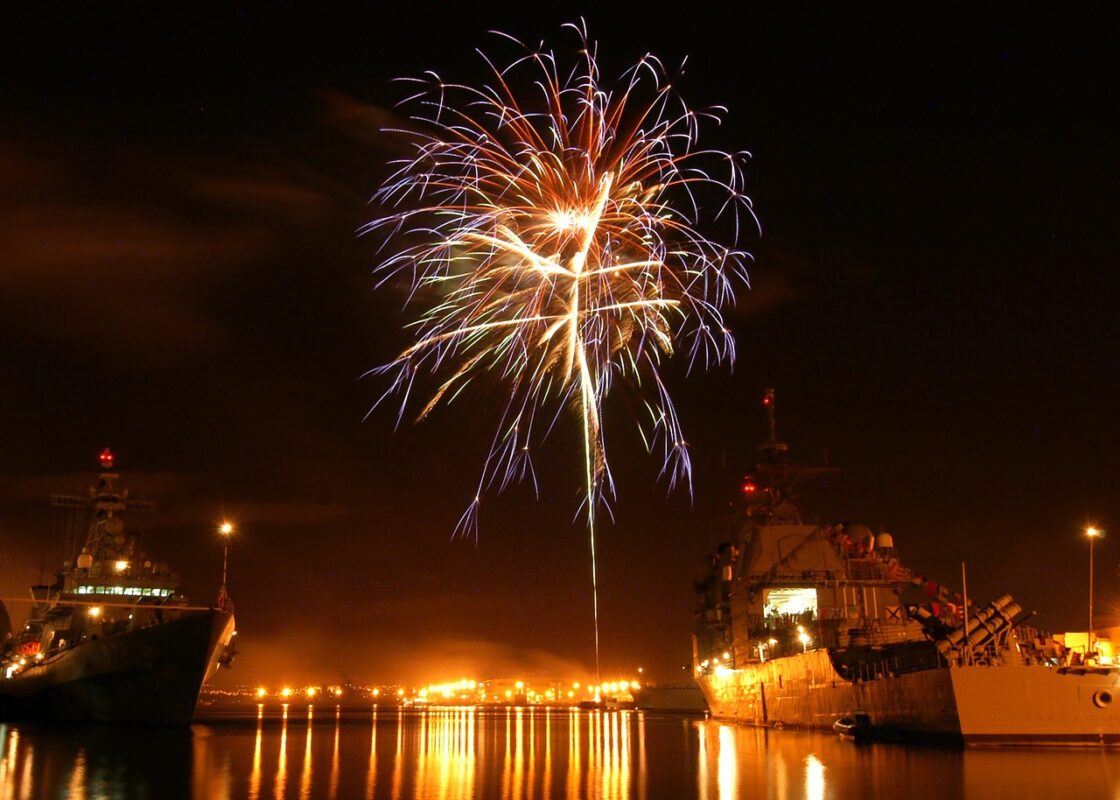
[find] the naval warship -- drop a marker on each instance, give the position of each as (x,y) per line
(112,639)
(822,626)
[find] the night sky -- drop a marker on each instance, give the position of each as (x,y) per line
(934,298)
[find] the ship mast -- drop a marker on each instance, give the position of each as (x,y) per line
(772,450)
(106,505)
(769,490)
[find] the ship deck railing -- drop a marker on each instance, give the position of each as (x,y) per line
(891,666)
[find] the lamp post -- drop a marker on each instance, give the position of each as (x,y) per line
(226,530)
(1092,533)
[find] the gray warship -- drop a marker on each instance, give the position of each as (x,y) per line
(822,626)
(112,639)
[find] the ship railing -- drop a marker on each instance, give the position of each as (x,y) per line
(895,665)
(988,654)
(864,570)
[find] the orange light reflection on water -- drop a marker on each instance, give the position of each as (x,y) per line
(332,791)
(305,773)
(371,769)
(398,756)
(814,778)
(728,767)
(281,783)
(449,753)
(548,749)
(77,786)
(574,751)
(438,752)
(255,775)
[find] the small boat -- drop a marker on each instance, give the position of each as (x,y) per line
(854,728)
(112,639)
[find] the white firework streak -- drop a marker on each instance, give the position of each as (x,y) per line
(553,239)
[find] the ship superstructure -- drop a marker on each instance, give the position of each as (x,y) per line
(800,623)
(112,638)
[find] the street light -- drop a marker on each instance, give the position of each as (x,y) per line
(1092,533)
(226,530)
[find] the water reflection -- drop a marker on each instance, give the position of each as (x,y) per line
(63,760)
(814,778)
(332,792)
(398,756)
(371,767)
(305,774)
(574,751)
(446,753)
(736,761)
(728,763)
(281,781)
(462,753)
(255,775)
(77,784)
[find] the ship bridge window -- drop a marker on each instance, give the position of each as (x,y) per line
(790,603)
(130,591)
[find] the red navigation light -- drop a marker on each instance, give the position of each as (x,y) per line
(106,458)
(749,487)
(766,400)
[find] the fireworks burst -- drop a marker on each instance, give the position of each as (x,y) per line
(550,226)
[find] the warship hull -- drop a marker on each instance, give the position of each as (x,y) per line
(148,675)
(972,705)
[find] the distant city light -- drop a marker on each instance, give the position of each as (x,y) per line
(469,692)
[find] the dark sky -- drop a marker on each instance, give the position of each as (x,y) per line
(934,297)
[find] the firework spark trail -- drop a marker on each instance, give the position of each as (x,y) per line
(552,238)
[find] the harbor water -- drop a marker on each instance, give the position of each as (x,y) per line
(325,751)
